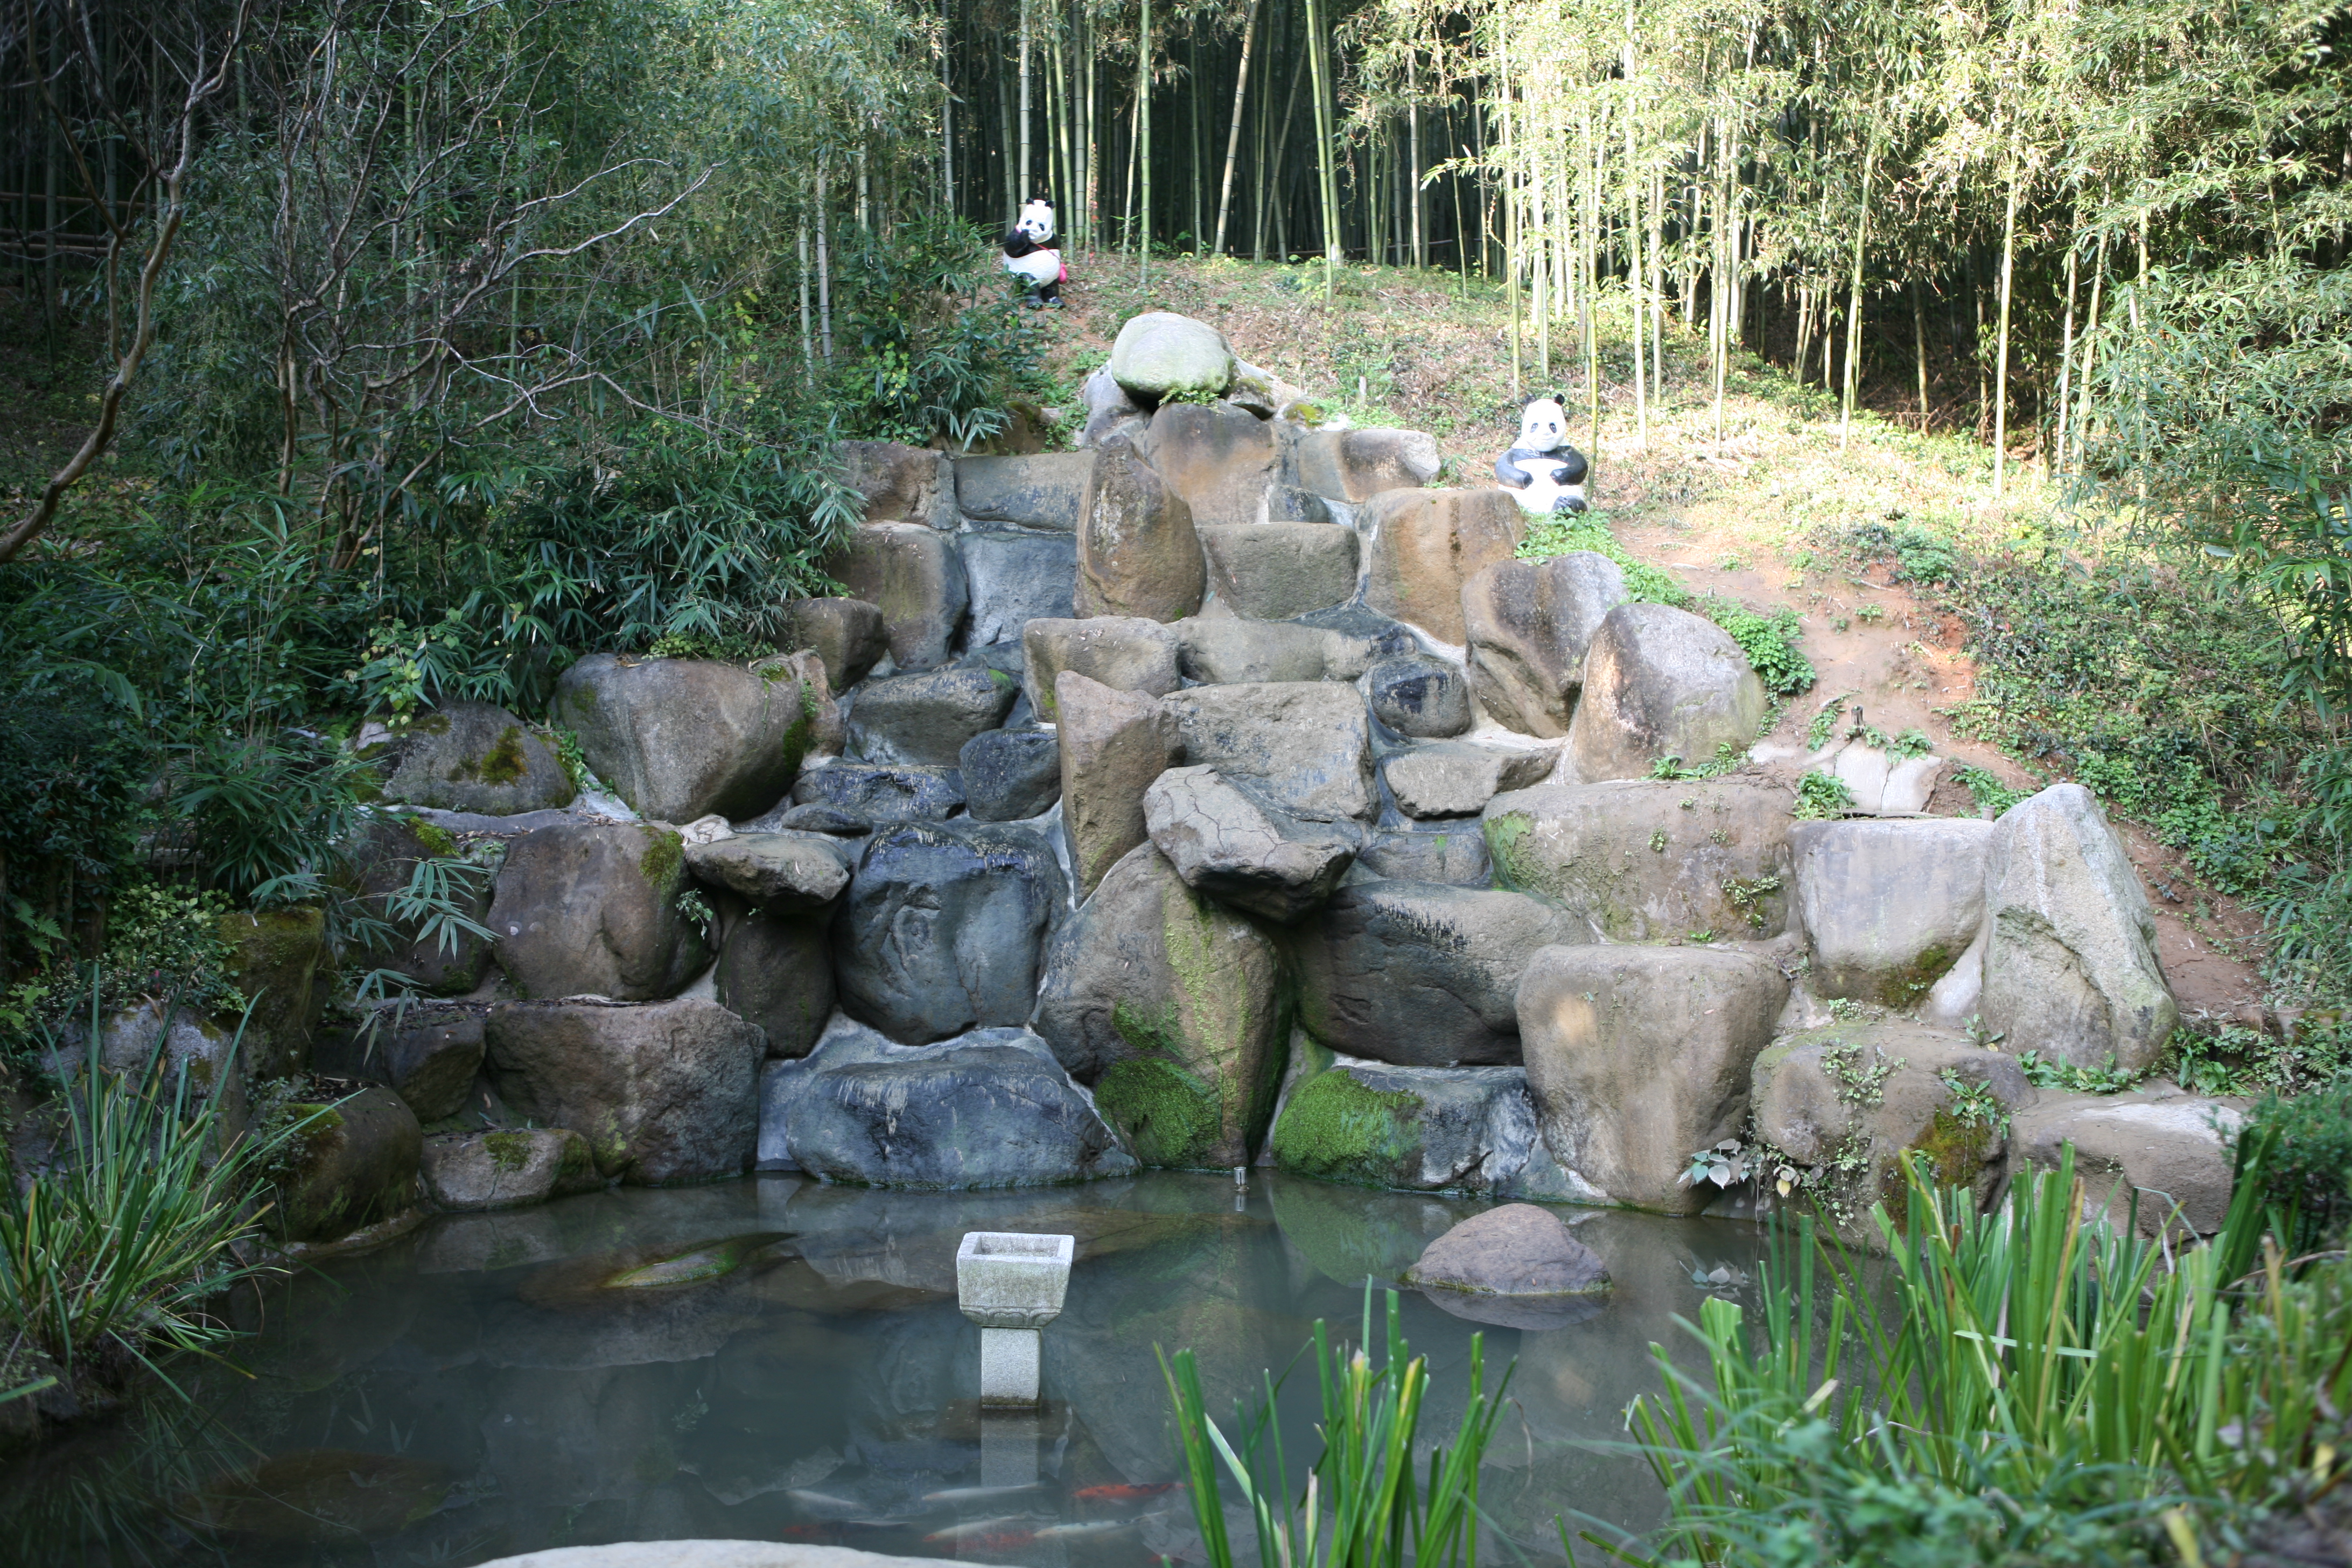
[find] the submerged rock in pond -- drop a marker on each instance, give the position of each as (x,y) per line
(318,1495)
(703,1261)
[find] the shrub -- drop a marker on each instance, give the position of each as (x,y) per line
(2307,1172)
(71,767)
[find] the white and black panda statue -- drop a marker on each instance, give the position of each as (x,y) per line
(1031,255)
(1541,468)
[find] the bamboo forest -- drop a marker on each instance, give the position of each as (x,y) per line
(1265,783)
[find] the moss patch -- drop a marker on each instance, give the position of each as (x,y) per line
(509,1151)
(1168,1116)
(1956,1150)
(436,839)
(664,855)
(1507,847)
(1336,1129)
(504,764)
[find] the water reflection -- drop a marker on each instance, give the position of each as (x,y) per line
(776,1360)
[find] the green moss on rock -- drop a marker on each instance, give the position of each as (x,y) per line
(1336,1129)
(1170,1119)
(509,1151)
(1506,840)
(665,856)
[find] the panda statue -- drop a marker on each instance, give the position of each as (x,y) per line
(1031,255)
(1541,468)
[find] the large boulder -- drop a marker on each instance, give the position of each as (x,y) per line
(1126,653)
(914,576)
(1848,1103)
(1010,776)
(1434,1129)
(1138,553)
(1661,683)
(1304,745)
(1419,973)
(471,756)
(1113,744)
(448,963)
(1226,843)
(280,963)
(1651,860)
(1218,458)
(1517,1249)
(2070,966)
(1275,570)
(1530,624)
(666,1092)
(942,926)
(354,1164)
(991,1109)
(1418,697)
(428,1054)
(1457,778)
(899,483)
(679,739)
(470,1171)
(775,970)
(846,635)
(1887,907)
(2161,1158)
(878,792)
(1225,650)
(1424,544)
(923,721)
(1174,1009)
(1638,1057)
(1454,855)
(591,910)
(1110,411)
(1358,464)
(1017,578)
(1160,357)
(783,873)
(1039,491)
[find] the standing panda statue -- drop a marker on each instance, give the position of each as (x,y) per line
(1541,468)
(1031,255)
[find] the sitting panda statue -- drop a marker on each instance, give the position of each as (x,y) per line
(1541,468)
(1031,255)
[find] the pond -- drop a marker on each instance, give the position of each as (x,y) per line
(484,1388)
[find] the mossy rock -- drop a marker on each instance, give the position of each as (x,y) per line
(1337,1129)
(354,1165)
(1170,1119)
(279,959)
(471,756)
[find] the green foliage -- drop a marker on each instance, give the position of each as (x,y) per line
(1989,794)
(71,768)
(2307,1170)
(1821,795)
(1768,641)
(2236,1060)
(2043,1073)
(267,815)
(1366,1505)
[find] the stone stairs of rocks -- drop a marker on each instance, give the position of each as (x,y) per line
(1221,792)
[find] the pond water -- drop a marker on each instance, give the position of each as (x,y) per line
(482,1388)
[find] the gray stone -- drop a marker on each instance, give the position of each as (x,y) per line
(472,1170)
(1160,355)
(1887,907)
(943,928)
(1219,458)
(1638,1057)
(448,963)
(1661,683)
(1110,411)
(1455,856)
(1433,1130)
(1424,544)
(2161,1152)
(923,721)
(1357,465)
(2071,968)
(1113,744)
(1517,1249)
(872,792)
(708,1554)
(1010,776)
(1390,637)
(1529,624)
(779,872)
(1137,552)
(1305,747)
(914,576)
(470,757)
(1419,973)
(991,1109)
(1040,490)
(591,910)
(825,819)
(1651,860)
(1017,578)
(1850,1101)
(1228,844)
(350,1168)
(1292,503)
(666,1092)
(846,635)
(429,1055)
(1272,571)
(1226,650)
(899,483)
(1173,1009)
(775,970)
(281,963)
(1457,778)
(681,738)
(1126,653)
(1416,696)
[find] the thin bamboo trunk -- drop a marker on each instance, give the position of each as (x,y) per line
(2000,368)
(1021,179)
(2066,356)
(1853,299)
(1327,175)
(823,264)
(1143,141)
(2090,345)
(1919,346)
(1514,239)
(1233,134)
(1634,240)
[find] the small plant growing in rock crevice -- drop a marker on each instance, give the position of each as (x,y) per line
(1821,796)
